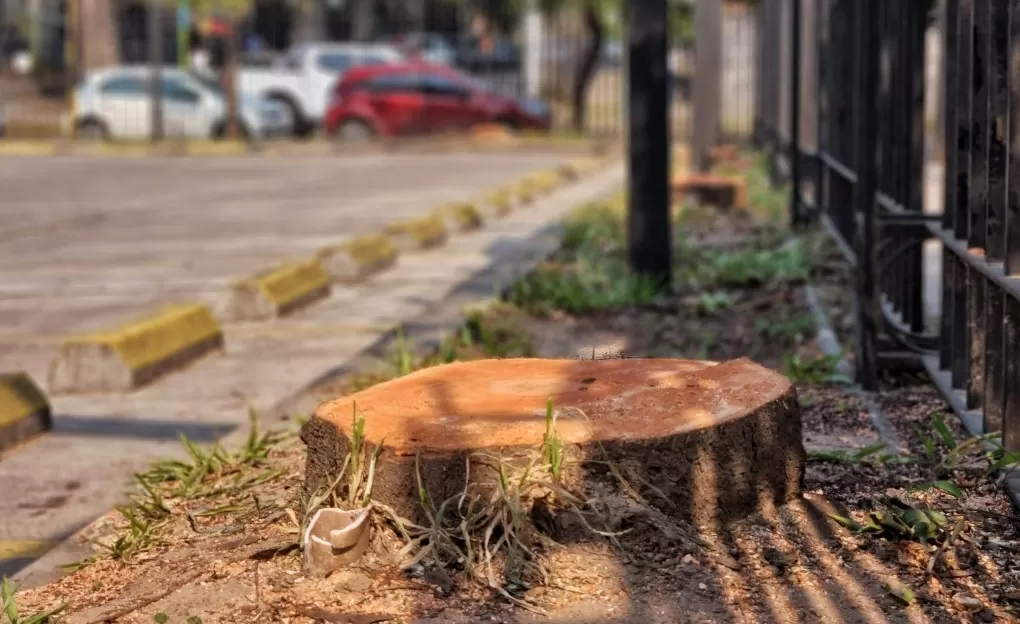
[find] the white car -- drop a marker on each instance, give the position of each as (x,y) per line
(115,103)
(304,77)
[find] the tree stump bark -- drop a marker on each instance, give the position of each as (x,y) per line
(718,440)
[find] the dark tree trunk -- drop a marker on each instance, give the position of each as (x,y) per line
(362,19)
(585,73)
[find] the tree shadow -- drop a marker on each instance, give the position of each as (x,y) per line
(783,564)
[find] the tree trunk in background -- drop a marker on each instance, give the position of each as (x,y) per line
(585,73)
(362,19)
(100,45)
(311,21)
(405,15)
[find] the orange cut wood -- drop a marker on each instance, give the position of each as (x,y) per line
(718,190)
(722,439)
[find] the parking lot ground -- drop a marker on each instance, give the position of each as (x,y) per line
(87,243)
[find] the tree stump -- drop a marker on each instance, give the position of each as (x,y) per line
(718,440)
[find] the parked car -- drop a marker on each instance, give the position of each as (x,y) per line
(304,77)
(115,103)
(421,98)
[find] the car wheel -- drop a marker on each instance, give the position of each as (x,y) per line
(509,125)
(91,130)
(220,131)
(354,131)
(300,127)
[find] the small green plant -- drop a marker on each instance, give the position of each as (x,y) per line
(896,519)
(771,268)
(161,618)
(10,611)
(814,370)
(140,533)
(497,331)
(788,328)
(591,284)
(849,456)
(552,446)
(712,302)
(403,356)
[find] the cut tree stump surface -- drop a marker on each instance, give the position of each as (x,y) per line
(726,433)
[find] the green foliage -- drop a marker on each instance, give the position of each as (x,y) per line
(590,273)
(747,268)
(9,612)
(813,370)
(896,519)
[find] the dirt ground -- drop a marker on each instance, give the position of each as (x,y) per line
(221,547)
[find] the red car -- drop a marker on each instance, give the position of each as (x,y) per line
(419,98)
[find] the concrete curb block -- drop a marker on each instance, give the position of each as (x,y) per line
(460,217)
(358,258)
(830,346)
(276,292)
(135,354)
(418,234)
(24,410)
(498,203)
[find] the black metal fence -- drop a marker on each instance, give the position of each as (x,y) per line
(935,285)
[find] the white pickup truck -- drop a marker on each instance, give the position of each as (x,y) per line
(303,78)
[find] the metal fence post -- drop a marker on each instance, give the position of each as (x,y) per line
(156,69)
(648,220)
(707,71)
(868,310)
(796,213)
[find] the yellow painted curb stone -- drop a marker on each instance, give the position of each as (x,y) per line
(358,258)
(418,234)
(276,292)
(461,217)
(14,147)
(499,202)
(12,550)
(24,410)
(132,355)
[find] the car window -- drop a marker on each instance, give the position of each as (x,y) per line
(440,85)
(394,83)
(375,59)
(176,91)
(335,62)
(292,60)
(124,85)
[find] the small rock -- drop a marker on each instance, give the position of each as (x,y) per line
(687,558)
(702,586)
(968,602)
(986,616)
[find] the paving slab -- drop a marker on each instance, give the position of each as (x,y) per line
(98,441)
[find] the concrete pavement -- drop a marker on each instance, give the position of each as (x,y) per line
(58,483)
(89,243)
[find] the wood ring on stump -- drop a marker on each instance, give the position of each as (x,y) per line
(720,440)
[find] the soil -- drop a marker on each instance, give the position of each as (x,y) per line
(791,564)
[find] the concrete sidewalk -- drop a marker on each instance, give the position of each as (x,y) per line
(57,484)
